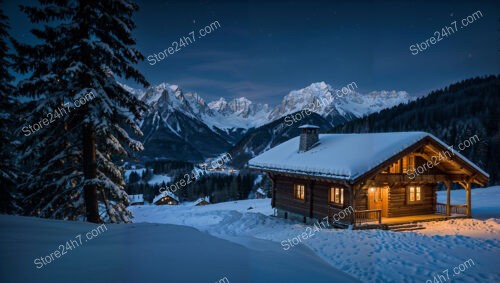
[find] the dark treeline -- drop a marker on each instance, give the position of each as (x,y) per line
(167,166)
(220,187)
(453,114)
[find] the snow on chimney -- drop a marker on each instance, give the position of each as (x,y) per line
(308,137)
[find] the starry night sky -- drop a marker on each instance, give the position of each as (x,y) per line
(264,49)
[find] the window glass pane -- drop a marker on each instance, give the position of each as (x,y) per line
(342,196)
(417,193)
(299,191)
(412,193)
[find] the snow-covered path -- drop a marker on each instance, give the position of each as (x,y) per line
(387,256)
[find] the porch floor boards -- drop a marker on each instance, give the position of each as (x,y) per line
(418,218)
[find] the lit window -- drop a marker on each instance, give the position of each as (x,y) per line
(409,163)
(337,195)
(395,167)
(299,191)
(414,194)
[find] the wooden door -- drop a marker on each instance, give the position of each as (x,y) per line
(378,199)
(385,200)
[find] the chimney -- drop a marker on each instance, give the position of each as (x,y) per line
(308,137)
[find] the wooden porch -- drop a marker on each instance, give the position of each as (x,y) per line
(419,218)
(373,217)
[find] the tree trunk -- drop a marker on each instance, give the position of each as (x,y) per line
(90,172)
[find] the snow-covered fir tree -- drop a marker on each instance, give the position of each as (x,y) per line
(84,44)
(9,175)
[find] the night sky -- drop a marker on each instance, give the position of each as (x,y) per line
(264,49)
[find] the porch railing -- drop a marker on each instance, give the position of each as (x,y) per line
(364,216)
(441,208)
(454,208)
(459,209)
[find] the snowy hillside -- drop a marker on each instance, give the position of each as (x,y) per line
(412,257)
(146,253)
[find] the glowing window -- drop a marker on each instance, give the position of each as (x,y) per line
(299,191)
(337,195)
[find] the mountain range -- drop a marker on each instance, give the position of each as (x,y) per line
(182,125)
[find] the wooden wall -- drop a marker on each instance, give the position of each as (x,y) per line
(318,191)
(399,205)
(361,201)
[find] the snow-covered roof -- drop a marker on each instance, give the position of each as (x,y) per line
(307,126)
(261,191)
(207,199)
(165,194)
(135,198)
(341,156)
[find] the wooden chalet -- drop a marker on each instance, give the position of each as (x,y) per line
(381,177)
(166,198)
(202,201)
(260,194)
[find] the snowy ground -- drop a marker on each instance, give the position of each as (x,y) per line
(245,244)
(147,253)
(371,256)
(485,212)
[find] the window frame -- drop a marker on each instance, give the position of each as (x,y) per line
(417,191)
(295,192)
(332,197)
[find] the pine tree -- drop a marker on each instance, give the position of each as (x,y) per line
(83,45)
(9,175)
(133,177)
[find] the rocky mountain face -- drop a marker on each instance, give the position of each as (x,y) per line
(182,125)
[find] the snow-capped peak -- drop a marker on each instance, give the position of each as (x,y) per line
(343,102)
(218,105)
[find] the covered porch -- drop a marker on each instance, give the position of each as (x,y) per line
(447,208)
(437,210)
(381,199)
(374,216)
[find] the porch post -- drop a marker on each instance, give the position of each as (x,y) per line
(468,199)
(352,217)
(311,196)
(273,190)
(448,206)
